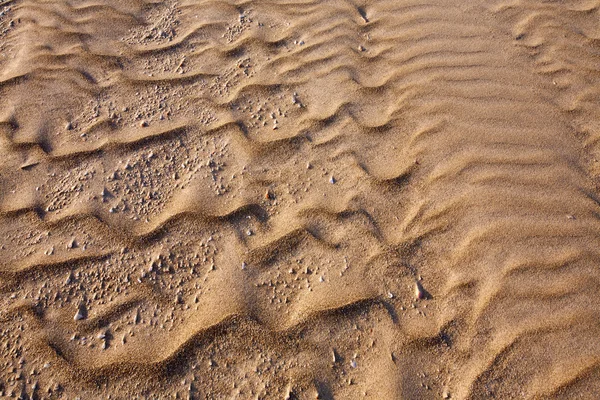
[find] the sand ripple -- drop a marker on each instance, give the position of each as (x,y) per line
(291,199)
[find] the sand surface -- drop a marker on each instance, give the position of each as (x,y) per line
(290,199)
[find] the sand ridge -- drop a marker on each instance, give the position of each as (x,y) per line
(299,199)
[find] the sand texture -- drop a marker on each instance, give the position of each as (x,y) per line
(300,199)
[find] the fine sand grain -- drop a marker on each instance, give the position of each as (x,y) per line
(299,199)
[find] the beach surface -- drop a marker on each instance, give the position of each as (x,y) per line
(299,199)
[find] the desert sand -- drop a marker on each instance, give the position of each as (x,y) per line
(299,199)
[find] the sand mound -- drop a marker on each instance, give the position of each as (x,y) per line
(299,199)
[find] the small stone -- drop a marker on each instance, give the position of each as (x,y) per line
(289,394)
(420,293)
(72,244)
(361,48)
(334,356)
(29,165)
(144,124)
(81,313)
(332,180)
(445,394)
(69,126)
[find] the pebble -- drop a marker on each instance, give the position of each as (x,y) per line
(419,291)
(81,313)
(332,180)
(334,356)
(29,165)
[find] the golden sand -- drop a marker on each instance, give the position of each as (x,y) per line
(282,199)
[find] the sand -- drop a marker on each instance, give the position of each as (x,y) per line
(299,199)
